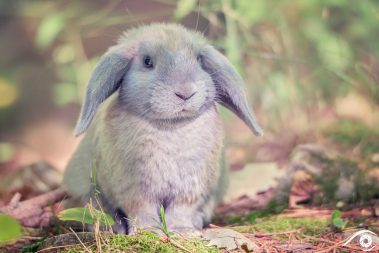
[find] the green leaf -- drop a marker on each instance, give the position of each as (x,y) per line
(251,11)
(86,215)
(335,52)
(48,30)
(64,93)
(337,221)
(10,229)
(336,214)
(184,7)
(163,218)
(6,152)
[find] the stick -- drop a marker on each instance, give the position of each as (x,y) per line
(31,212)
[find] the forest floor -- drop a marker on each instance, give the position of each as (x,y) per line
(295,230)
(319,200)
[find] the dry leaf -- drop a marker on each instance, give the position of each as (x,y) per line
(228,239)
(302,189)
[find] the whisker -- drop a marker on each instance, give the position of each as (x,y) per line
(198,15)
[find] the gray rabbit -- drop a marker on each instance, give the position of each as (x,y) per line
(156,135)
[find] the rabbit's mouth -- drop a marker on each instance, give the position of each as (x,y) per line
(178,114)
(176,111)
(193,111)
(180,118)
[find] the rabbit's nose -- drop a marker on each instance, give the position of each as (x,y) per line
(185,96)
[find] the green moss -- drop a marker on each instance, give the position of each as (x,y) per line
(145,242)
(274,207)
(306,226)
(31,247)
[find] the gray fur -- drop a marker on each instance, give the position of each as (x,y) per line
(229,87)
(152,147)
(104,81)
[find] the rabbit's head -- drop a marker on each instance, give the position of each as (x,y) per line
(165,73)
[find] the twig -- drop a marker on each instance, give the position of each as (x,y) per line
(85,247)
(275,233)
(15,200)
(213,226)
(31,237)
(334,244)
(30,212)
(57,247)
(176,244)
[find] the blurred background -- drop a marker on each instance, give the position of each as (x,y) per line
(311,70)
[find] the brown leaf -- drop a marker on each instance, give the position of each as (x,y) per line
(228,239)
(302,189)
(245,204)
(30,181)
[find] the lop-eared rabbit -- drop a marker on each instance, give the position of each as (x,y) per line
(156,134)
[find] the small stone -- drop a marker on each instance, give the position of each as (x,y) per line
(376,210)
(367,212)
(374,174)
(345,188)
(375,158)
(340,204)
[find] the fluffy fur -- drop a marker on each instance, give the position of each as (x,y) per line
(157,138)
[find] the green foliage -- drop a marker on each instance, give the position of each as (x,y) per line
(10,229)
(86,215)
(64,93)
(298,53)
(295,55)
(251,12)
(49,29)
(184,7)
(355,134)
(337,222)
(6,151)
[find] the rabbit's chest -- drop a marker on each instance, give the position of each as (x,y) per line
(168,164)
(174,162)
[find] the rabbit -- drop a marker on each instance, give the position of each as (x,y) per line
(156,136)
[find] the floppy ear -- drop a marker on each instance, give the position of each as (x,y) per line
(229,86)
(104,81)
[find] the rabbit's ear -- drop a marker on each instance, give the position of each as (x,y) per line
(104,81)
(229,86)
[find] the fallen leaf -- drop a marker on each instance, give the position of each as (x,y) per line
(376,210)
(30,181)
(228,239)
(302,189)
(245,204)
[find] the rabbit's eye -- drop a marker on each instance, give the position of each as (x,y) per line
(148,62)
(199,58)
